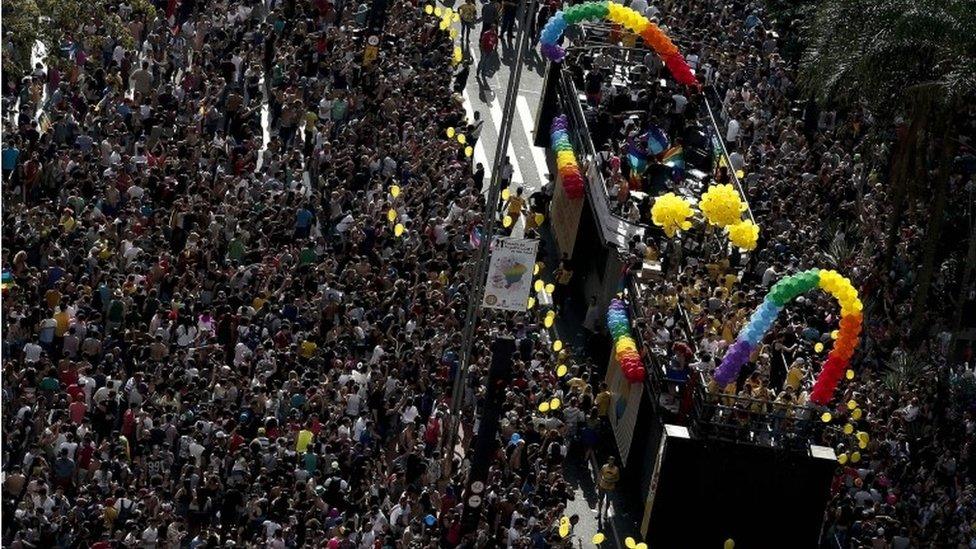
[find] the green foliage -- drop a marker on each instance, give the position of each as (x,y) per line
(49,21)
(880,52)
(905,371)
(21,19)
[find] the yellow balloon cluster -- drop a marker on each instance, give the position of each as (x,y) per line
(744,234)
(671,212)
(627,18)
(721,205)
(841,288)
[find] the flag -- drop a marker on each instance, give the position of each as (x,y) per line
(474,237)
(657,140)
(7,281)
(637,157)
(674,158)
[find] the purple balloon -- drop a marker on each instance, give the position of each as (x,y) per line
(735,357)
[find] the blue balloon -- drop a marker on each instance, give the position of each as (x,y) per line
(430,520)
(515,438)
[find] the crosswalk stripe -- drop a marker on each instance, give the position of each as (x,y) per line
(479,147)
(496,119)
(538,157)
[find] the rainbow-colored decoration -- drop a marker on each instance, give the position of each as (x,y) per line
(624,345)
(566,164)
(628,18)
(7,281)
(784,291)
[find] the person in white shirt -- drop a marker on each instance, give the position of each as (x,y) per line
(732,133)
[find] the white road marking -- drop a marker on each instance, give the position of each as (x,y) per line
(496,119)
(538,156)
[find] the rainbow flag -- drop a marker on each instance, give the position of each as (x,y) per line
(7,281)
(674,158)
(474,237)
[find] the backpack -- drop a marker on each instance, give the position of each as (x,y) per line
(489,40)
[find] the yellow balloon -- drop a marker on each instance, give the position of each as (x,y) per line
(507,221)
(506,194)
(563,530)
(641,545)
(629,542)
(461,139)
(850,374)
(834,334)
(468,151)
(561,370)
(547,322)
(862,444)
(454,33)
(842,459)
(538,285)
(856,457)
(536,269)
(443,24)
(598,538)
(851,404)
(544,407)
(550,288)
(395,190)
(450,133)
(539,218)
(848,429)
(818,347)
(398,229)
(729,544)
(391,215)
(557,345)
(857,413)
(428,9)
(826,417)
(554,404)
(531,303)
(438,11)
(863,436)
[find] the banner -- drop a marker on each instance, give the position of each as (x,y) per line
(510,273)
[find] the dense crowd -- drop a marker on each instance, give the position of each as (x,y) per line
(812,180)
(237,261)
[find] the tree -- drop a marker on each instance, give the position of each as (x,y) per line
(54,22)
(913,60)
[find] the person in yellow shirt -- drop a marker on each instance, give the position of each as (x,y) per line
(515,205)
(607,483)
(795,375)
(63,320)
(603,400)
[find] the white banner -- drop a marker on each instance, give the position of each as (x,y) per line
(510,273)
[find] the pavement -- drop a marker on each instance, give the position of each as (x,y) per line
(487,96)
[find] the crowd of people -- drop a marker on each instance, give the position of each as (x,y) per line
(223,327)
(813,182)
(237,258)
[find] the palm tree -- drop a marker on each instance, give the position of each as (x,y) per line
(912,64)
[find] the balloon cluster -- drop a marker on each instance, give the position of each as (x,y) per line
(671,212)
(763,317)
(625,348)
(626,17)
(721,205)
(569,171)
(744,234)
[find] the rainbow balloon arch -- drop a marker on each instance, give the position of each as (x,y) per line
(784,291)
(566,164)
(628,18)
(625,348)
